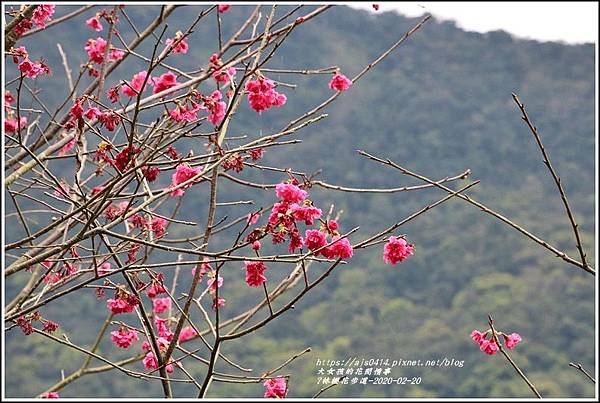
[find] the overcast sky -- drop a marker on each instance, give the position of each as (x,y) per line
(571,22)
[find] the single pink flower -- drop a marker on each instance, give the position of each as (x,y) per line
(92,113)
(94,23)
(306,213)
(218,303)
(276,388)
(95,49)
(512,340)
(396,250)
(253,218)
(290,193)
(162,328)
(110,120)
(155,289)
(223,7)
(182,174)
(123,338)
(342,248)
(50,395)
(314,239)
(163,82)
(181,47)
(161,305)
(187,333)
(256,245)
(150,362)
(488,346)
(104,268)
(255,273)
(477,336)
(157,225)
(224,75)
(134,87)
(340,82)
(213,285)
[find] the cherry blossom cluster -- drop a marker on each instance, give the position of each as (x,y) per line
(292,209)
(221,75)
(396,250)
(489,346)
(27,67)
(262,94)
(25,322)
(41,15)
(276,388)
(12,124)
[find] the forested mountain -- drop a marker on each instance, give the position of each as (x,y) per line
(439,105)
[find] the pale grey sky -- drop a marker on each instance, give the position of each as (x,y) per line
(571,22)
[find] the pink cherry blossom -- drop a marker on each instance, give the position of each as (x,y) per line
(123,338)
(256,245)
(477,336)
(262,95)
(488,346)
(161,305)
(110,120)
(342,248)
(163,82)
(133,87)
(340,82)
(255,273)
(50,395)
(42,13)
(157,225)
(290,193)
(253,218)
(11,125)
(32,69)
(162,328)
(150,362)
(204,268)
(94,23)
(276,388)
(218,303)
(215,106)
(314,239)
(68,146)
(182,174)
(223,7)
(308,213)
(511,340)
(213,285)
(396,250)
(95,49)
(92,113)
(186,334)
(122,304)
(181,47)
(155,289)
